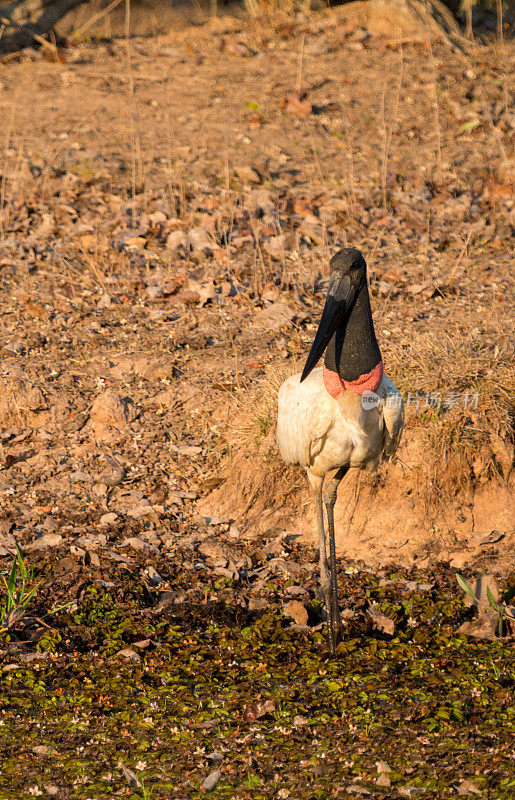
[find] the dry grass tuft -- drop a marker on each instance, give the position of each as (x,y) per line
(258,8)
(254,479)
(253,426)
(457,449)
(464,445)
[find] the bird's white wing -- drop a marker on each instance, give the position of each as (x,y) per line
(393,415)
(305,415)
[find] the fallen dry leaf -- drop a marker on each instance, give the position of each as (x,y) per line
(381,621)
(258,709)
(297,611)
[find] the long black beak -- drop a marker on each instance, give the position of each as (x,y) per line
(339,299)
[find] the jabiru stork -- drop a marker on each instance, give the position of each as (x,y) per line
(345,414)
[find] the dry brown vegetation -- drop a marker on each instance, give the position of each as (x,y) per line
(169,207)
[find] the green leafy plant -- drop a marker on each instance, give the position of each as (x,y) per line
(145,794)
(499,607)
(17,593)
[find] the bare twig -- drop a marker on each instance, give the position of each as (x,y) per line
(301,65)
(43,42)
(96,18)
(437,108)
(500,32)
(388,129)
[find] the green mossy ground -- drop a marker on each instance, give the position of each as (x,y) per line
(436,706)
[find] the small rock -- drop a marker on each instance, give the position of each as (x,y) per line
(169,51)
(186,449)
(299,721)
(211,782)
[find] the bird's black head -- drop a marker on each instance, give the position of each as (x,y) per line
(348,276)
(349,261)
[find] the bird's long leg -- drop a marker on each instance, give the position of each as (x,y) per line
(330,493)
(325,581)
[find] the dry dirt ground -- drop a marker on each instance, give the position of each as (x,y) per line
(168,215)
(168,209)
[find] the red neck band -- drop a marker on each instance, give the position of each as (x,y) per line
(365,383)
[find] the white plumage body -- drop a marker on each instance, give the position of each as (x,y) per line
(322,433)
